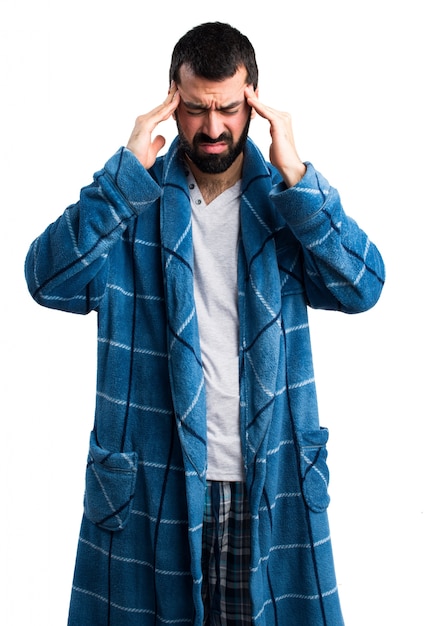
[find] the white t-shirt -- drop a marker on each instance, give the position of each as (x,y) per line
(215,230)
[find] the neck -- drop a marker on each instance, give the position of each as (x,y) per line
(212,185)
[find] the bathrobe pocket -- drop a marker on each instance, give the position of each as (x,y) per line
(314,470)
(110,486)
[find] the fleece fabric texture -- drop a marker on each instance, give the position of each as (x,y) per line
(124,250)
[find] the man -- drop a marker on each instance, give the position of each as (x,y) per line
(206,485)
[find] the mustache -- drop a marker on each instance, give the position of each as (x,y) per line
(202,138)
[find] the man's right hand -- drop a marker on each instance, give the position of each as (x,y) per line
(140,142)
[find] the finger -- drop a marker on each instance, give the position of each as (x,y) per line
(260,108)
(250,95)
(254,102)
(173,88)
(171,103)
(158,143)
(172,92)
(162,112)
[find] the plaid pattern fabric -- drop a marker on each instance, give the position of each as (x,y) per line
(125,251)
(226,555)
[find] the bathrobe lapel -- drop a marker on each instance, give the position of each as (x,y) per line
(185,363)
(260,320)
(262,342)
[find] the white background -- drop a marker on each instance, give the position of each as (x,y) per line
(74,76)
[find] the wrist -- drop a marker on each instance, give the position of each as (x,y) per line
(292,175)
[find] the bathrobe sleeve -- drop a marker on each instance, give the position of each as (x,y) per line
(342,269)
(67,265)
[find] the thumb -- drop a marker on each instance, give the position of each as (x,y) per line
(158,143)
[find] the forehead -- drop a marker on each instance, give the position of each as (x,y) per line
(197,90)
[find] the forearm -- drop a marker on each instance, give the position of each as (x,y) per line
(341,264)
(66,265)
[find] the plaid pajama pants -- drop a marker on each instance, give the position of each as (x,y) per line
(225,557)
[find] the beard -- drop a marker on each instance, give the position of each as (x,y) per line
(212,163)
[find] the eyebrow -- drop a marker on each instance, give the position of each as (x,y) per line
(204,107)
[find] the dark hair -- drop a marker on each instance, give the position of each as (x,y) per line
(214,51)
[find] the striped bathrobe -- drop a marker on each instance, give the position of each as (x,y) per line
(124,250)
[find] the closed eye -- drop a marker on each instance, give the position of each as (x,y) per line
(199,112)
(195,110)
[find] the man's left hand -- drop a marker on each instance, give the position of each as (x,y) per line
(283,154)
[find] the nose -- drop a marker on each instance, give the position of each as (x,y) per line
(213,125)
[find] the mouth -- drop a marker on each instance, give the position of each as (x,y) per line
(213,148)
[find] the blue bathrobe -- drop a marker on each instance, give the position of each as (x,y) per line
(125,251)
